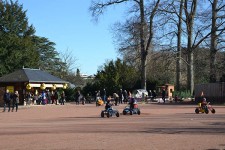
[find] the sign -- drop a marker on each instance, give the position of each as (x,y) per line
(10,88)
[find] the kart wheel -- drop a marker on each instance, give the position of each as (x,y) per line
(124,112)
(117,114)
(197,111)
(108,115)
(213,111)
(138,112)
(206,111)
(102,114)
(131,112)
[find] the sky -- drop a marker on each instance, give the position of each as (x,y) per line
(68,23)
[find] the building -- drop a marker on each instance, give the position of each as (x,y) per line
(29,80)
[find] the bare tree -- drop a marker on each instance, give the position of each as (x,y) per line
(144,51)
(179,33)
(190,14)
(69,60)
(97,9)
(217,29)
(173,10)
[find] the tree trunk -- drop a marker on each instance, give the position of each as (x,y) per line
(190,23)
(213,46)
(178,61)
(191,71)
(142,42)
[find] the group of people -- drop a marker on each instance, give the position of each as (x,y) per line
(109,102)
(44,97)
(7,97)
(120,97)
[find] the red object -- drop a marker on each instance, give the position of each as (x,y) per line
(135,105)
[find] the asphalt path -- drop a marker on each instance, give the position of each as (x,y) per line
(159,127)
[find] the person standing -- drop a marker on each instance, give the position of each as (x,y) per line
(28,98)
(63,97)
(15,100)
(77,97)
(164,95)
(6,99)
(48,96)
(116,98)
(104,96)
(153,95)
(44,98)
(56,97)
(125,94)
(52,97)
(120,96)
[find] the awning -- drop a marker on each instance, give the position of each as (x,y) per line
(46,85)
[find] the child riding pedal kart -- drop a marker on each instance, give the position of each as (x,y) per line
(132,108)
(99,101)
(109,111)
(204,107)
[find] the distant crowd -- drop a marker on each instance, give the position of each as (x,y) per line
(11,100)
(43,98)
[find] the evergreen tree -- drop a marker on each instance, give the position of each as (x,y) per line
(20,47)
(116,75)
(48,56)
(16,46)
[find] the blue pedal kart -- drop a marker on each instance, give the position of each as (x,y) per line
(131,111)
(110,112)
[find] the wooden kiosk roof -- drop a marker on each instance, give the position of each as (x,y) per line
(30,75)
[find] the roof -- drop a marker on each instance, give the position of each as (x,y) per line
(31,75)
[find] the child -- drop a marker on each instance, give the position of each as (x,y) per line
(204,103)
(108,103)
(132,101)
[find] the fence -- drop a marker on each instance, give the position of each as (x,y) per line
(213,92)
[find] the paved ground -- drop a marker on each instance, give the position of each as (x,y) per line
(160,126)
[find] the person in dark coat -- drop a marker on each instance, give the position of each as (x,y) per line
(104,96)
(120,96)
(63,98)
(7,98)
(132,101)
(78,97)
(108,104)
(56,97)
(125,94)
(15,100)
(164,95)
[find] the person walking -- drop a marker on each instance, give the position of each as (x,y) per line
(15,100)
(77,97)
(164,95)
(6,99)
(63,97)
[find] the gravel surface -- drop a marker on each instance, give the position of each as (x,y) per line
(160,126)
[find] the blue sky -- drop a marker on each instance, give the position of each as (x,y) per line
(68,23)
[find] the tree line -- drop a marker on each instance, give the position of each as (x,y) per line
(174,33)
(21,47)
(178,42)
